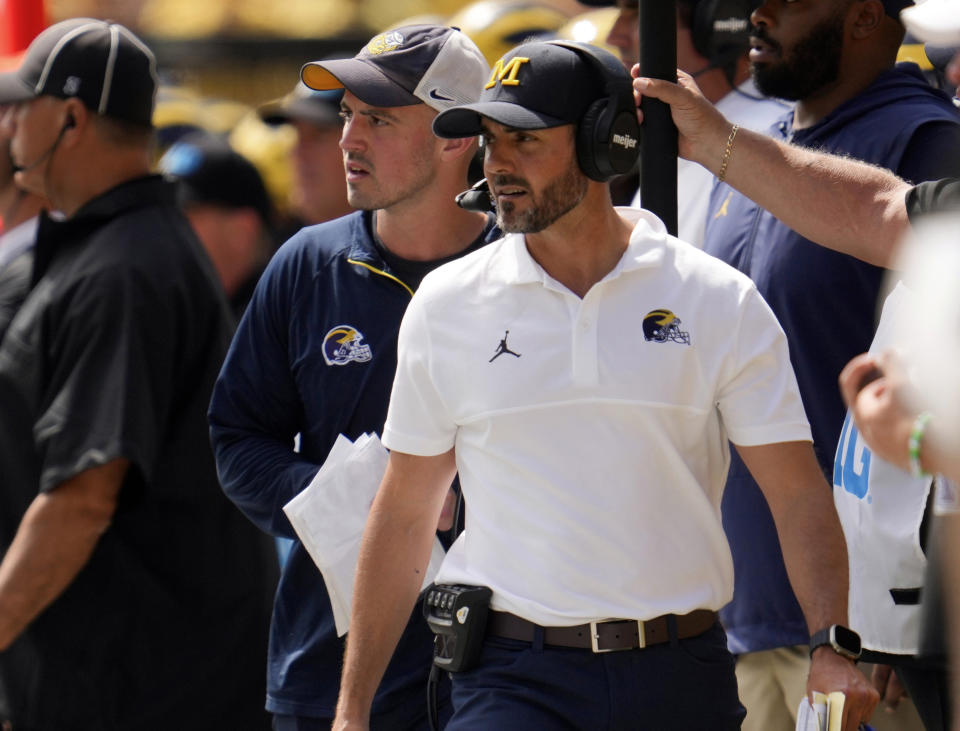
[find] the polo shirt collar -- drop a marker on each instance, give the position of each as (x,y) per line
(131,194)
(54,233)
(644,250)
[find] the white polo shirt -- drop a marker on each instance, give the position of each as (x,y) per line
(592,458)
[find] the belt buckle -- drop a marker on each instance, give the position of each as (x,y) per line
(595,638)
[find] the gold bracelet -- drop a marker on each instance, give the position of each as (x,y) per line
(728,150)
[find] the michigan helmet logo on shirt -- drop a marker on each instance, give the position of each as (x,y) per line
(662,326)
(385,42)
(344,344)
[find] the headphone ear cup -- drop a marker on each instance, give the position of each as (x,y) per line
(607,140)
(720,46)
(701,27)
(592,154)
(607,135)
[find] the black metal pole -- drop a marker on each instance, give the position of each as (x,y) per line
(658,145)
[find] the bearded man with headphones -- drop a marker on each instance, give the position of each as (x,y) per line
(713,37)
(583,374)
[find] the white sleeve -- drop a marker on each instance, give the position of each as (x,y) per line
(418,421)
(759,399)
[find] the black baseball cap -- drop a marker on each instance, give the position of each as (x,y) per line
(536,85)
(210,171)
(433,64)
(892,7)
(101,63)
(321,108)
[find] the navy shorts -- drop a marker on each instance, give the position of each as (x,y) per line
(683,685)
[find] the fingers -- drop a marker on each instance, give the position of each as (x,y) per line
(665,91)
(879,677)
(851,718)
(890,362)
(686,81)
(888,685)
(858,707)
(894,692)
(829,672)
(855,375)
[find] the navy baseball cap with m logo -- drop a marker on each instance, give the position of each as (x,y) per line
(534,86)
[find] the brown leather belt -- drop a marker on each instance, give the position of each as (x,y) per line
(605,636)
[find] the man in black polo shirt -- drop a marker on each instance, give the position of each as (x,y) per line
(132,594)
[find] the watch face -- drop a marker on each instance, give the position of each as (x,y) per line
(847,639)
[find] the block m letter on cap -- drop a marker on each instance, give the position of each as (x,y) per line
(506,74)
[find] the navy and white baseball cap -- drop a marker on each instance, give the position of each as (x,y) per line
(536,85)
(433,64)
(103,64)
(934,21)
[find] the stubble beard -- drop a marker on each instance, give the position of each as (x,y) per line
(558,198)
(372,196)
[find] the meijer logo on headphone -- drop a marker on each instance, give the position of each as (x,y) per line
(625,141)
(730,25)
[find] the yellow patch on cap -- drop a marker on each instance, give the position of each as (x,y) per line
(385,42)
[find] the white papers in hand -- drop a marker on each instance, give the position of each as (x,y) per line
(330,513)
(826,713)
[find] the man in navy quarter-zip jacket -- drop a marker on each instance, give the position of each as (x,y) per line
(315,353)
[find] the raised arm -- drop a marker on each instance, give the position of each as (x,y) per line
(843,204)
(815,555)
(393,556)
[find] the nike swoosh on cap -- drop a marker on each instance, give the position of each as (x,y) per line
(439,97)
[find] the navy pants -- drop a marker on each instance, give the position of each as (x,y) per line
(683,685)
(382,722)
(410,715)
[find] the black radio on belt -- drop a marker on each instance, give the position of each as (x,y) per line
(458,617)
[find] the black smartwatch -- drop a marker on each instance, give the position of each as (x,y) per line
(843,640)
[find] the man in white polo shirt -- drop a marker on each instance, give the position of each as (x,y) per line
(584,375)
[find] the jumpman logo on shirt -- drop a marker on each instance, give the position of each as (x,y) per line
(723,209)
(502,348)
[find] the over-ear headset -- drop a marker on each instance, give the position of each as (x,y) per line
(608,135)
(720,31)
